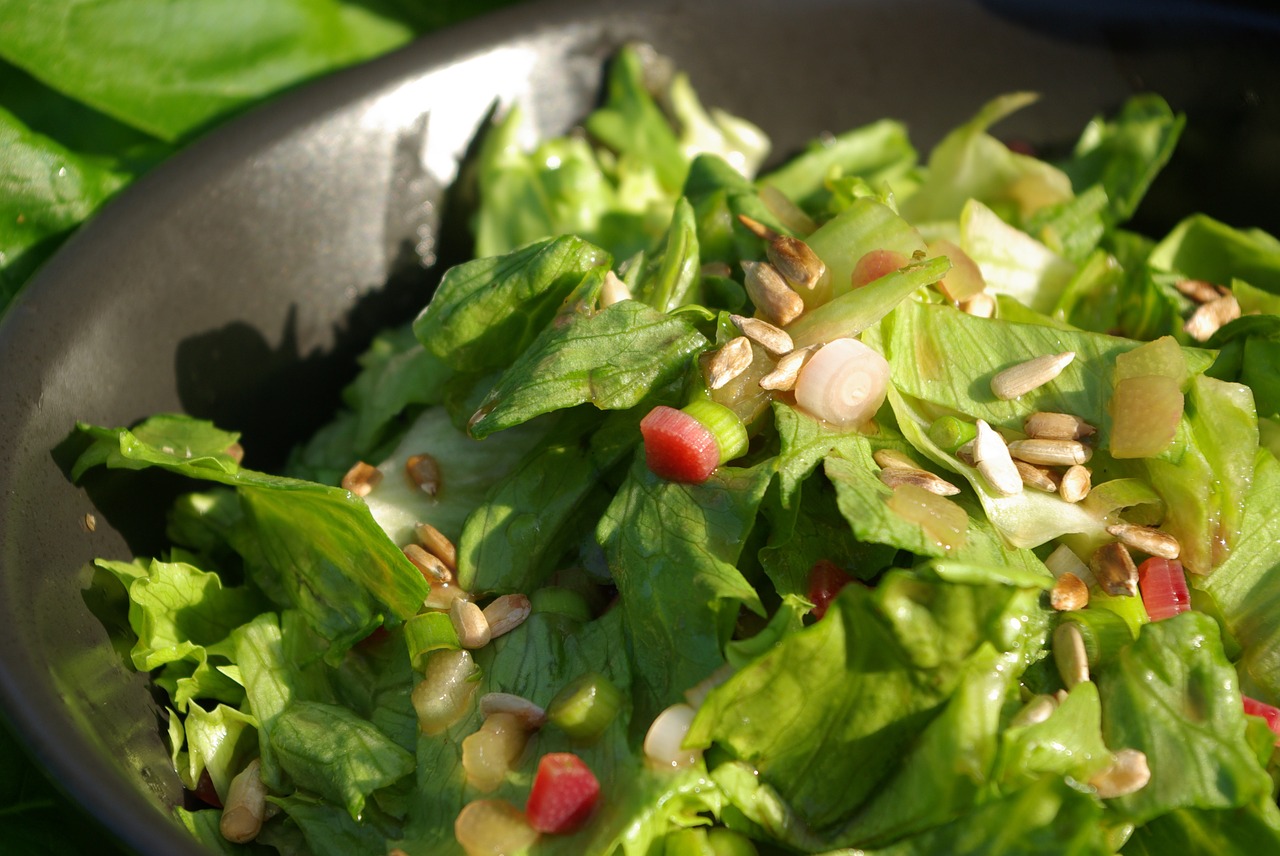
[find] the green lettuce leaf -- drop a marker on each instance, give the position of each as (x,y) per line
(1173,696)
(1048,817)
(469,469)
(1205,482)
(328,830)
(671,279)
(1243,831)
(333,561)
(864,226)
(332,752)
(1203,248)
(672,549)
(877,153)
(969,164)
(1068,743)
(215,741)
(1012,262)
(488,311)
(874,673)
(45,191)
(1250,349)
(612,358)
(212,58)
(516,535)
(1124,155)
(631,123)
(1246,586)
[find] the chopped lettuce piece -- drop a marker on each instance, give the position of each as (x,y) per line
(874,672)
(1123,156)
(876,153)
(1173,696)
(971,164)
(330,751)
(672,549)
(335,564)
(487,311)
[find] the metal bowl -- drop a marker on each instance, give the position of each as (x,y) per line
(237,281)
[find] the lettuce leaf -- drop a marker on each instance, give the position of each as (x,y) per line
(1123,155)
(334,563)
(486,312)
(874,672)
(1173,696)
(611,358)
(672,549)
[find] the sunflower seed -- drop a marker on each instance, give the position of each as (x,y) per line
(1076,483)
(888,458)
(1114,570)
(430,565)
(757,228)
(1037,477)
(1209,317)
(770,293)
(1056,426)
(991,456)
(764,334)
(469,623)
(1146,539)
(613,291)
(1069,593)
(506,613)
(729,362)
(245,808)
(1069,654)
(981,305)
(784,374)
(424,472)
(1018,380)
(1199,290)
(1035,711)
(443,595)
(897,476)
(1051,452)
(1128,774)
(361,478)
(437,544)
(90,522)
(796,262)
(715,269)
(530,715)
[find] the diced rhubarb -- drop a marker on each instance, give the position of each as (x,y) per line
(1164,588)
(205,791)
(876,264)
(564,793)
(678,447)
(825,582)
(1270,713)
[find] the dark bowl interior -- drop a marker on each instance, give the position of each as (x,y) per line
(237,281)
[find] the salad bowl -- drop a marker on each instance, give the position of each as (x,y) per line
(238,281)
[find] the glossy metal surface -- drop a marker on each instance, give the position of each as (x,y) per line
(237,281)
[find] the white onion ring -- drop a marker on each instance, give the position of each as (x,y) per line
(844,383)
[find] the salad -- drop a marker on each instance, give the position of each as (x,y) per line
(876,504)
